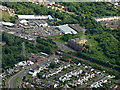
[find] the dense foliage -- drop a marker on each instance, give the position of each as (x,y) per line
(109,44)
(12,51)
(46,45)
(95,9)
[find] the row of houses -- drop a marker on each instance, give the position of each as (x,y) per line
(107,18)
(23,63)
(69,75)
(36,70)
(55,71)
(100,82)
(81,80)
(113,24)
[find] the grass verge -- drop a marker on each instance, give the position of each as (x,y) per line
(15,83)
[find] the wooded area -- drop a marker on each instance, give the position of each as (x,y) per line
(12,51)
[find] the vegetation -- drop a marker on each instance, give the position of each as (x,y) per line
(46,45)
(27,77)
(53,65)
(95,9)
(15,83)
(12,51)
(7,18)
(39,75)
(67,37)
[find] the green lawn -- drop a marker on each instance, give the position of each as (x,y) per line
(57,36)
(61,41)
(5,16)
(27,76)
(15,83)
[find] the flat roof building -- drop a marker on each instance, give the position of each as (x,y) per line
(76,27)
(32,17)
(66,29)
(35,17)
(7,24)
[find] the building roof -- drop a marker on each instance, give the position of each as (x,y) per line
(7,23)
(50,17)
(23,21)
(66,29)
(32,17)
(76,27)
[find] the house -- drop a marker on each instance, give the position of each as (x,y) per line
(79,64)
(24,22)
(66,86)
(22,63)
(55,85)
(113,86)
(30,63)
(107,18)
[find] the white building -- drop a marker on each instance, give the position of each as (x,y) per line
(7,24)
(30,63)
(66,29)
(11,32)
(22,63)
(25,22)
(98,19)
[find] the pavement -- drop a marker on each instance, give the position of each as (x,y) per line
(63,46)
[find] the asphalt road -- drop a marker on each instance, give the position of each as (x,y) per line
(63,46)
(25,71)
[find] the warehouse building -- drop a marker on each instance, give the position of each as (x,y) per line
(76,27)
(8,24)
(41,23)
(35,17)
(66,29)
(24,22)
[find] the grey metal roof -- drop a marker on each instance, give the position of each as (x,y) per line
(66,29)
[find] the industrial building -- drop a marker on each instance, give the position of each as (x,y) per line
(76,27)
(66,29)
(25,22)
(7,24)
(35,17)
(77,43)
(41,23)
